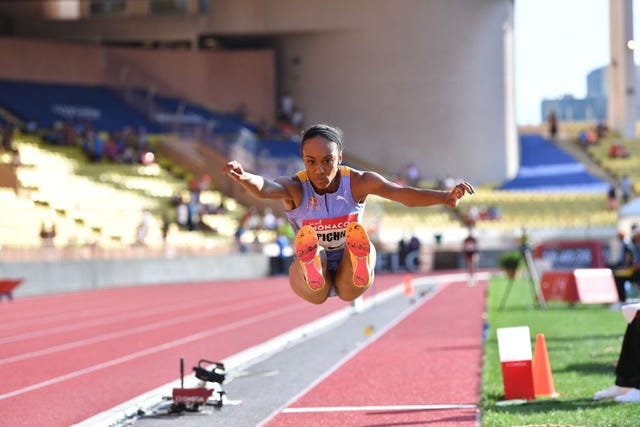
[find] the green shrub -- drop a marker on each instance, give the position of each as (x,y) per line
(510,260)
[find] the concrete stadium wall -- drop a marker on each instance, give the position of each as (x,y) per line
(42,278)
(50,61)
(409,81)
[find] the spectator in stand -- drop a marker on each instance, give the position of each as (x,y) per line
(552,122)
(143,228)
(69,134)
(265,130)
(286,107)
(166,225)
(241,111)
(128,154)
(618,151)
(612,198)
(473,214)
(7,136)
(601,129)
(47,234)
(412,175)
(111,149)
(182,213)
(448,183)
(626,186)
(493,212)
(587,137)
(297,119)
(15,158)
(56,135)
(269,220)
(32,126)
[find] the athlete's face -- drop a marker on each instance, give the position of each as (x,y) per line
(321,160)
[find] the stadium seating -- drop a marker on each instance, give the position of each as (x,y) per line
(546,167)
(102,203)
(168,111)
(618,167)
(47,103)
(542,209)
(95,203)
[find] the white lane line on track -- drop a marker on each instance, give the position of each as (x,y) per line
(179,305)
(130,331)
(112,305)
(151,350)
(389,408)
(101,322)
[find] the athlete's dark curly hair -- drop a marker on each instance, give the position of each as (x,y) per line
(330,133)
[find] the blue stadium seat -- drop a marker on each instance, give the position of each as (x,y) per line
(47,103)
(545,167)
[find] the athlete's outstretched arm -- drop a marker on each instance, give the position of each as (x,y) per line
(256,185)
(374,183)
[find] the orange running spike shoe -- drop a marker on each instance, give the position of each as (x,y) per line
(359,246)
(306,246)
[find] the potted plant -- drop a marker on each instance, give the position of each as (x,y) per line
(510,262)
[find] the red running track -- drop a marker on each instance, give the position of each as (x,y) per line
(65,358)
(423,371)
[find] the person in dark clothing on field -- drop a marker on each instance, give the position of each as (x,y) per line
(627,384)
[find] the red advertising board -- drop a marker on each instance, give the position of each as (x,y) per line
(585,285)
(571,254)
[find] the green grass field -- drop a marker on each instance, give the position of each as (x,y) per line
(583,344)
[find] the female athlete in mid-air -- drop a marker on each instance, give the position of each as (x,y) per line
(324,203)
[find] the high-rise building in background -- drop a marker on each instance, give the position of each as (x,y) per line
(592,108)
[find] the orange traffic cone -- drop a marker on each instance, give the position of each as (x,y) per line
(408,285)
(542,378)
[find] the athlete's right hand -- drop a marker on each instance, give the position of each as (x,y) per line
(234,170)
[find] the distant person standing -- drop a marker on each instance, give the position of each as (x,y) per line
(471,257)
(552,122)
(612,198)
(626,185)
(630,270)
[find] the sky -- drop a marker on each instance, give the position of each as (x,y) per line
(557,43)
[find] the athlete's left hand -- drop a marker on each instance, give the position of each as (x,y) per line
(457,192)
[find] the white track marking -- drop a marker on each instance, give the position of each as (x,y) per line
(101,322)
(151,350)
(109,316)
(377,408)
(122,333)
